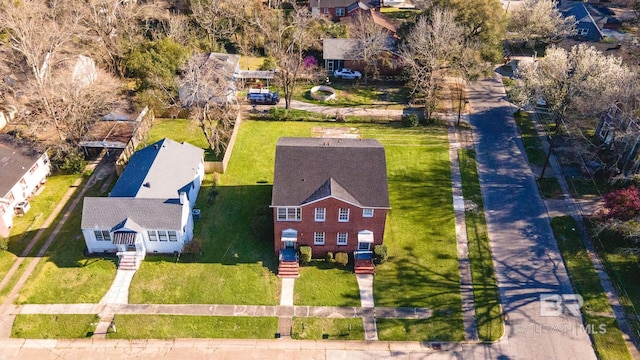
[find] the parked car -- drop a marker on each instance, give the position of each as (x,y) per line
(347,74)
(263,97)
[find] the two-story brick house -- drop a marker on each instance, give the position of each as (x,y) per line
(329,194)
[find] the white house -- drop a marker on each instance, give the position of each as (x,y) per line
(22,171)
(213,81)
(150,207)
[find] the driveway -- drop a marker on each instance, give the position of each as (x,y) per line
(525,254)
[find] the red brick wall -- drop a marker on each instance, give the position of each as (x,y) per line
(331,227)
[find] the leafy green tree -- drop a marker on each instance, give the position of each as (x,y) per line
(156,64)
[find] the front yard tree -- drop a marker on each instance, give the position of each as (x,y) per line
(289,33)
(539,21)
(206,91)
(577,84)
(373,43)
(429,47)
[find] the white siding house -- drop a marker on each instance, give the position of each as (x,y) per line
(150,207)
(22,172)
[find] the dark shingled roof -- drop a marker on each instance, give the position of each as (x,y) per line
(15,160)
(159,171)
(104,212)
(308,169)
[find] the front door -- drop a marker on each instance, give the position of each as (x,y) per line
(131,247)
(289,244)
(364,246)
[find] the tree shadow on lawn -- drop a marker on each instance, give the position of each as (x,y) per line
(236,226)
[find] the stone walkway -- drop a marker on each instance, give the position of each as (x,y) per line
(119,291)
(365,285)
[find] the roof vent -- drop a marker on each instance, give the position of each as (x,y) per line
(155,146)
(147,184)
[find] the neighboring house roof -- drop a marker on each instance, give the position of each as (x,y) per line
(159,171)
(584,21)
(347,49)
(104,212)
(309,169)
(15,160)
(377,18)
(330,3)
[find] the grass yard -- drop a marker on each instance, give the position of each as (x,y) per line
(327,284)
(422,270)
(485,288)
(41,326)
(401,15)
(530,139)
(608,344)
(177,326)
(64,275)
(349,93)
(181,130)
(327,329)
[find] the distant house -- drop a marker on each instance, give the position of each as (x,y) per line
(619,137)
(376,17)
(216,80)
(150,207)
(586,27)
(22,171)
(344,53)
(336,9)
(331,195)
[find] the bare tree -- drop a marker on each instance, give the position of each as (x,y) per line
(429,47)
(373,43)
(113,28)
(207,89)
(540,21)
(213,17)
(288,35)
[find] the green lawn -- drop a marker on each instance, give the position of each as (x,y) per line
(64,275)
(181,130)
(422,269)
(485,289)
(349,93)
(327,329)
(530,139)
(401,15)
(441,327)
(177,326)
(327,284)
(42,326)
(609,343)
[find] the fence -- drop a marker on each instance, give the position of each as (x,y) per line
(144,120)
(221,166)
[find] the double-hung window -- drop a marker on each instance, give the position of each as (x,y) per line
(162,235)
(320,214)
(339,11)
(153,236)
(289,214)
(343,215)
(342,238)
(368,213)
(102,235)
(173,236)
(318,238)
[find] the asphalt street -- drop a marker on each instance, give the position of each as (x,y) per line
(525,254)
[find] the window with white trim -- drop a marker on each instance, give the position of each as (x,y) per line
(289,214)
(102,235)
(318,238)
(326,10)
(153,236)
(582,32)
(320,214)
(339,11)
(162,235)
(368,213)
(343,215)
(342,238)
(173,236)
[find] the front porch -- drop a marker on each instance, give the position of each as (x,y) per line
(363,262)
(289,266)
(131,249)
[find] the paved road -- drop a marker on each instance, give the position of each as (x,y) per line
(526,256)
